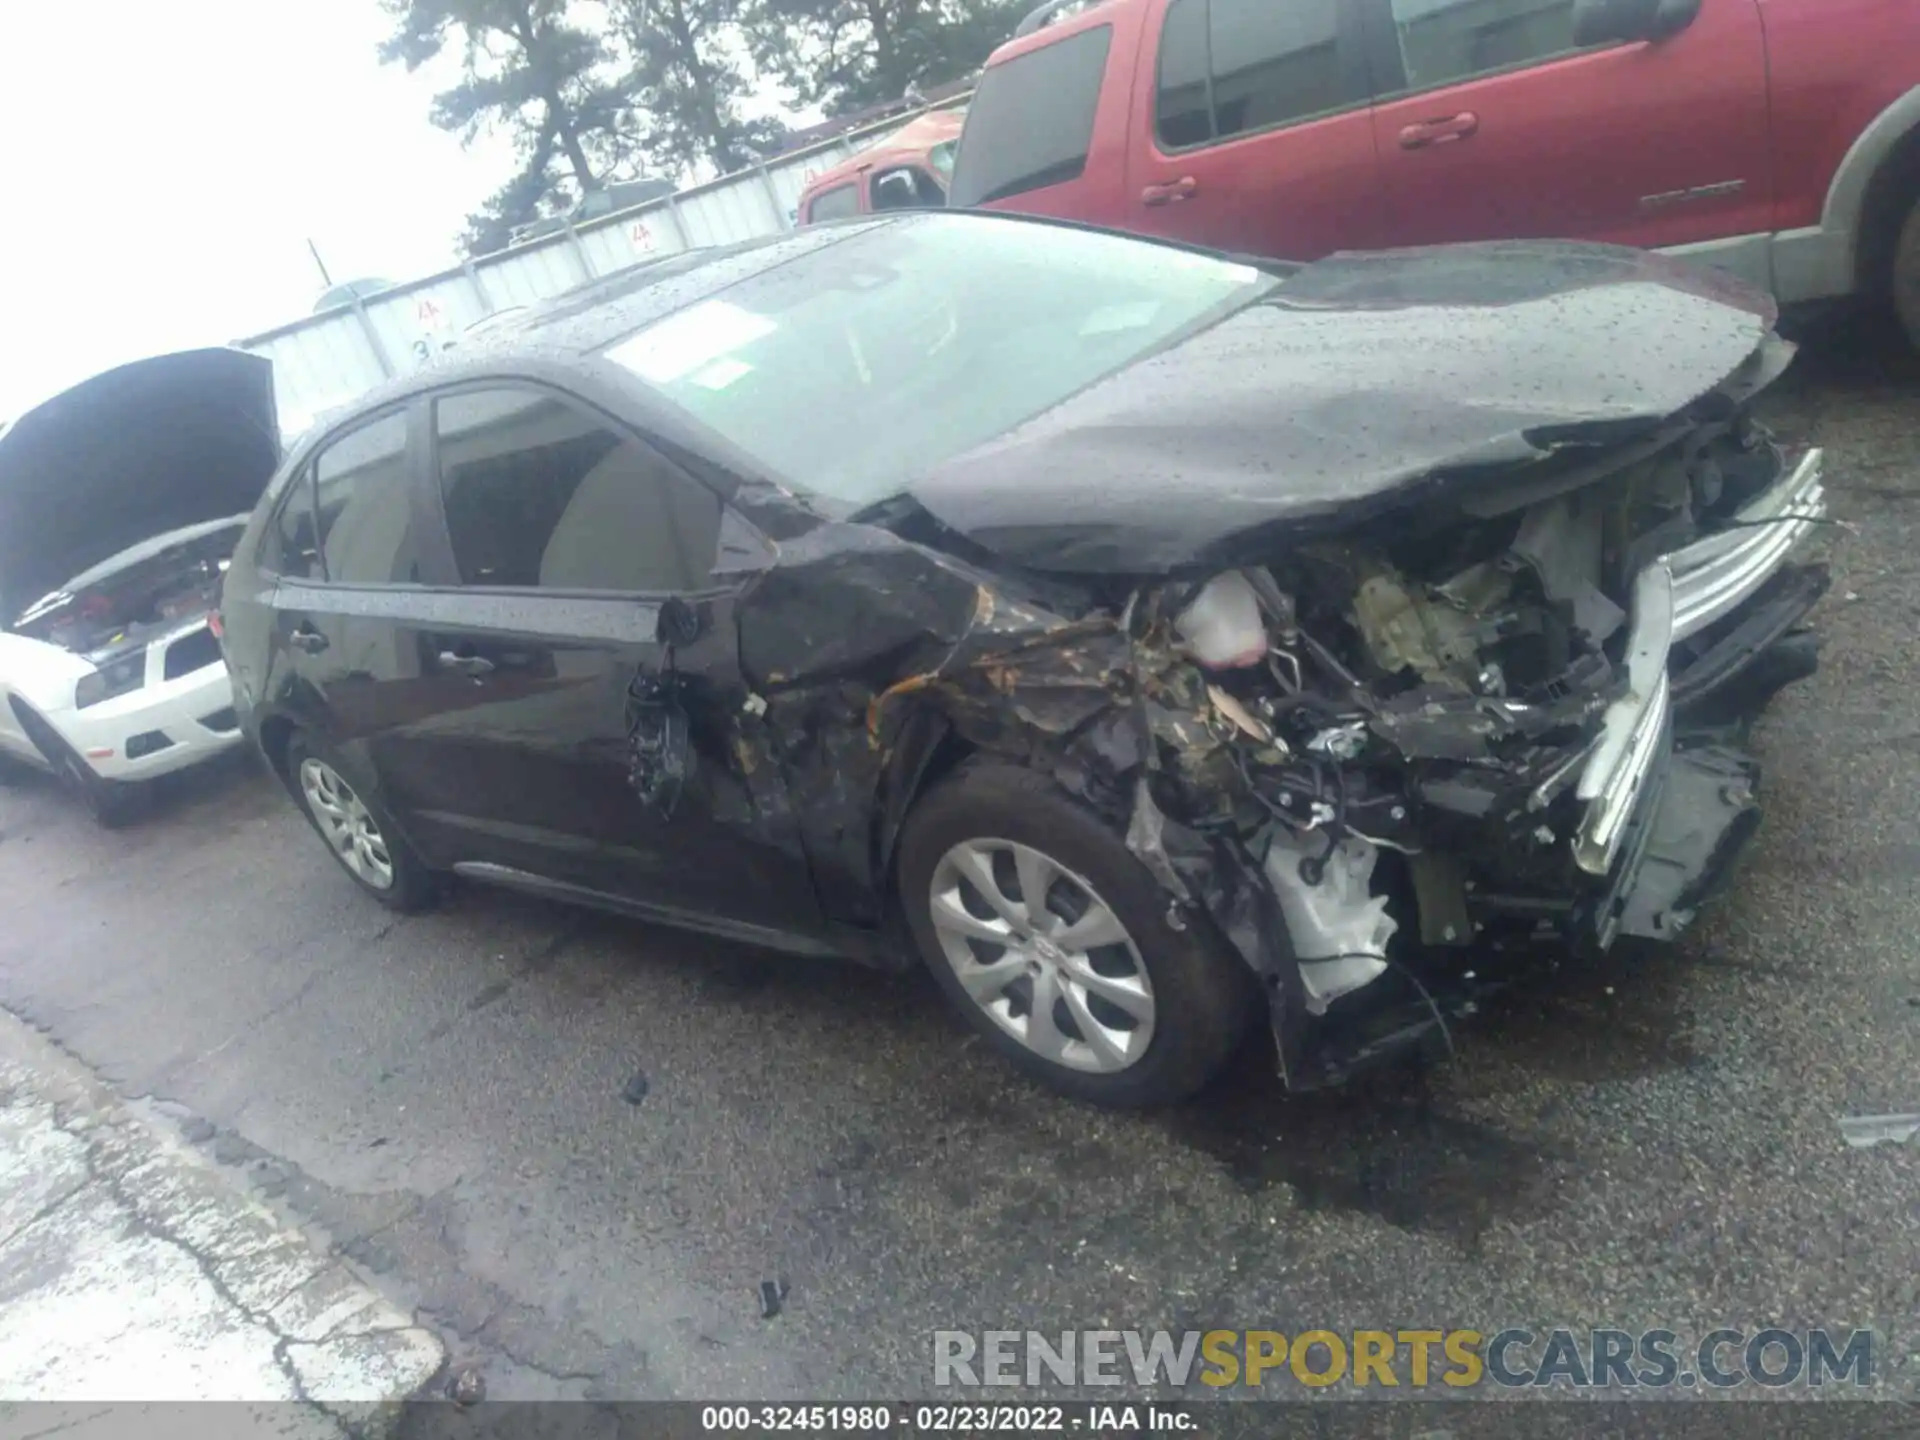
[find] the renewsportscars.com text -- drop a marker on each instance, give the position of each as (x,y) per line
(1439,1359)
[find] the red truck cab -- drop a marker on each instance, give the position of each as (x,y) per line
(909,170)
(1779,139)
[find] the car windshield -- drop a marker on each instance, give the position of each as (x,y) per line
(856,366)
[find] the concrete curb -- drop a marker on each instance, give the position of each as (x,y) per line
(132,1270)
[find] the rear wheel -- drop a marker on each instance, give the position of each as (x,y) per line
(1053,940)
(357,831)
(1906,275)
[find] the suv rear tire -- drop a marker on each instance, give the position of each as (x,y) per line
(1141,1013)
(1906,275)
(356,828)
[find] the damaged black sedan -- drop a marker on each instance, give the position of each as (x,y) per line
(1148,639)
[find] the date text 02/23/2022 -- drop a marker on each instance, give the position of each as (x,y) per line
(940,1419)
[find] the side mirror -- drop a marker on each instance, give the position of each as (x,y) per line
(1601,22)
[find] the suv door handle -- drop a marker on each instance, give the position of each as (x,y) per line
(474,665)
(1436,132)
(1185,188)
(308,640)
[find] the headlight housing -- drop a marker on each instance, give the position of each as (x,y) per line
(117,677)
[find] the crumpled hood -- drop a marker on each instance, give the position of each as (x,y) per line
(1359,378)
(135,452)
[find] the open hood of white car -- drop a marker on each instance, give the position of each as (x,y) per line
(132,453)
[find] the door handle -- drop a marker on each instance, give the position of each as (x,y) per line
(1185,188)
(308,640)
(474,665)
(1437,132)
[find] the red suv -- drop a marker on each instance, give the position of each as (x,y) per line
(1779,139)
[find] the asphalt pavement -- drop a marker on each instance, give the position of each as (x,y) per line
(454,1100)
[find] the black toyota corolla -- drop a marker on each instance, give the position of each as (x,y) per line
(1144,638)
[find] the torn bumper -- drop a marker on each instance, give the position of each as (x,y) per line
(1714,576)
(1732,594)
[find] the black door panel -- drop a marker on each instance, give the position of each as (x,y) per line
(588,561)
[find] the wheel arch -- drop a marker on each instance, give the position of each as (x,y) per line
(276,735)
(1879,172)
(36,727)
(926,750)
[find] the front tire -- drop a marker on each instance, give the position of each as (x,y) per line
(1091,991)
(1906,275)
(356,828)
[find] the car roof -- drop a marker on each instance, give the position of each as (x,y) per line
(1070,21)
(571,327)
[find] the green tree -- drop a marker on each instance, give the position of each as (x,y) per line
(846,54)
(528,70)
(688,84)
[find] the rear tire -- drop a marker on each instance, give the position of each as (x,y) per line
(1141,1013)
(1906,275)
(356,829)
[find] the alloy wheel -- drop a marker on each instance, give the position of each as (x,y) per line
(346,823)
(1038,949)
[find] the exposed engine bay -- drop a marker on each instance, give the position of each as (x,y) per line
(1410,709)
(137,597)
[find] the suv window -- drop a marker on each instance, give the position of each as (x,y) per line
(1442,41)
(1184,108)
(540,493)
(832,204)
(906,187)
(363,512)
(1228,67)
(1031,120)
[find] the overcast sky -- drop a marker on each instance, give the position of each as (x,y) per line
(165,164)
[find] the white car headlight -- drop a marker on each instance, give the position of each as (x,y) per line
(118,677)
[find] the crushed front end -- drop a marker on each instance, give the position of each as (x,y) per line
(1470,731)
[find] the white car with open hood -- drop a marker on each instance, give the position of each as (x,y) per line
(120,502)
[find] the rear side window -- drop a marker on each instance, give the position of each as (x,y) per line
(1442,41)
(541,494)
(1031,120)
(1231,67)
(363,512)
(834,204)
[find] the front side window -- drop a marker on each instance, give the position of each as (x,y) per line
(292,547)
(1274,62)
(543,494)
(1030,123)
(941,158)
(363,514)
(835,204)
(849,369)
(1442,41)
(1184,104)
(1234,67)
